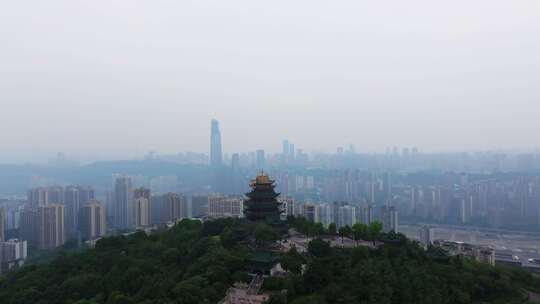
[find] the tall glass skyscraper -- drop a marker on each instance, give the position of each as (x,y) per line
(215,145)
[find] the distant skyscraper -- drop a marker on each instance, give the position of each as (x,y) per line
(291,152)
(50,226)
(92,220)
(122,202)
(260,162)
(216,157)
(285,148)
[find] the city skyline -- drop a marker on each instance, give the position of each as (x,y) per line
(217,155)
(275,147)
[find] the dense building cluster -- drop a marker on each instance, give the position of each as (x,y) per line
(493,190)
(489,200)
(343,213)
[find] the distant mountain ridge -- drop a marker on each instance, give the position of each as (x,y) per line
(16,179)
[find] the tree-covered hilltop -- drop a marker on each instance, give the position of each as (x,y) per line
(196,263)
(190,263)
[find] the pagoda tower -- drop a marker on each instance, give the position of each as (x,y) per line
(262,204)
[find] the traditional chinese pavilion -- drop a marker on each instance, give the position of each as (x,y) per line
(262,204)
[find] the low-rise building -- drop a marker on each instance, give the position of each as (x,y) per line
(479,253)
(12,254)
(506,258)
(426,235)
(222,206)
(242,293)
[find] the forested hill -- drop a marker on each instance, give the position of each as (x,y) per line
(195,263)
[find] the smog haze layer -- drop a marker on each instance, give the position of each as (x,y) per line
(110,78)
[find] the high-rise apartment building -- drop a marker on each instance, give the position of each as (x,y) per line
(92,220)
(141,210)
(157,209)
(144,214)
(142,192)
(37,197)
(109,206)
(86,194)
(55,195)
(2,224)
(216,154)
(236,175)
(50,226)
(199,205)
(367,214)
(28,226)
(175,207)
(389,217)
(311,212)
(325,214)
(74,198)
(72,203)
(122,202)
(347,216)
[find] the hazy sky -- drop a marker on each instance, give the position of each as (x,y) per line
(101,77)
